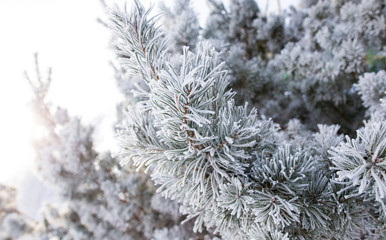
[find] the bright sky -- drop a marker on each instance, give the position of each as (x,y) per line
(68,38)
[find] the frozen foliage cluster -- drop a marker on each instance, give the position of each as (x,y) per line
(232,169)
(181,24)
(253,127)
(13,224)
(372,88)
(303,63)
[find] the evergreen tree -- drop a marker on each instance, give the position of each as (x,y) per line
(254,127)
(236,172)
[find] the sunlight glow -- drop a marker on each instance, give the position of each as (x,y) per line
(15,128)
(68,38)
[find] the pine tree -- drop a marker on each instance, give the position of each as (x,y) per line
(236,172)
(254,127)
